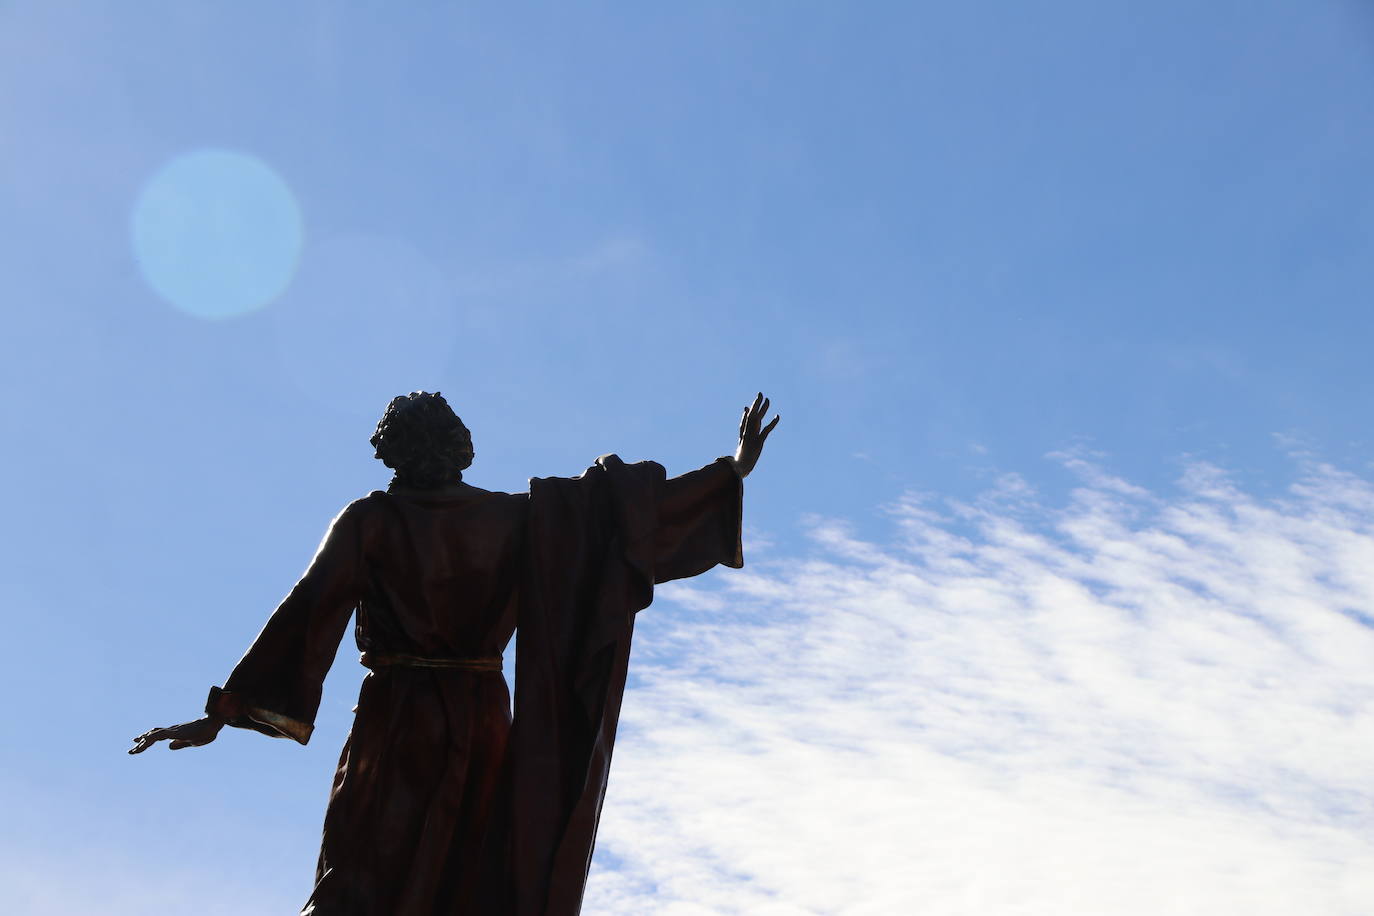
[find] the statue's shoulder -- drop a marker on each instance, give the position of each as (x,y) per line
(457,496)
(614,464)
(364,506)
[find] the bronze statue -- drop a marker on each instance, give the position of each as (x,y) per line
(442,804)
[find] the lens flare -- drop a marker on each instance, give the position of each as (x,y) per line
(217,233)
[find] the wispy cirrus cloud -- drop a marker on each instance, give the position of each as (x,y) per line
(1128,703)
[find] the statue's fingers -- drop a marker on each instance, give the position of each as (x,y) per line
(769,428)
(754,414)
(142,743)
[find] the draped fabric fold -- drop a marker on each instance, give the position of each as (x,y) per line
(586,575)
(596,546)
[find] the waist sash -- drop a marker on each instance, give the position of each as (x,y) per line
(378,660)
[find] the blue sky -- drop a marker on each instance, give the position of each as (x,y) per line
(1063,268)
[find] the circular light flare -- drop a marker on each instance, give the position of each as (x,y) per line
(217,233)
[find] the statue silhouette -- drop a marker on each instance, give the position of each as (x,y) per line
(442,803)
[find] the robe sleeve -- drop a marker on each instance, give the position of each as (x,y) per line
(275,688)
(699,516)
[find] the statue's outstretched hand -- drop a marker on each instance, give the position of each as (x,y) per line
(189,734)
(751,436)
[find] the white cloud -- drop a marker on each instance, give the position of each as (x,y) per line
(1129,704)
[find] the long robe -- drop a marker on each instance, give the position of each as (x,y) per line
(440,805)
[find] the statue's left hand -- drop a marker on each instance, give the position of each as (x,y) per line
(189,734)
(752,435)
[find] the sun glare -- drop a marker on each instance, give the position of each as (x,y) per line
(217,233)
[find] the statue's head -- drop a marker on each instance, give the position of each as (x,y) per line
(423,441)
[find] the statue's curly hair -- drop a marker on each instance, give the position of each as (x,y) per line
(423,441)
